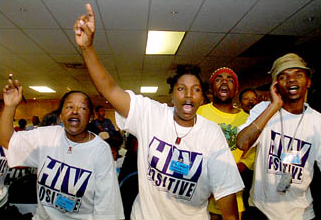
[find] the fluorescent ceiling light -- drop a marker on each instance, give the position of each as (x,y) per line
(43,89)
(163,42)
(148,89)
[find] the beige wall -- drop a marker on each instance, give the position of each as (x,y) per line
(42,107)
(36,107)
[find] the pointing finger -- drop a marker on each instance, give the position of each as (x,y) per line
(90,13)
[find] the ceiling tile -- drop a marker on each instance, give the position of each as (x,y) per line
(67,12)
(172,14)
(59,44)
(15,63)
(100,42)
(240,63)
(303,22)
(40,60)
(67,58)
(210,64)
(16,41)
(124,14)
(4,50)
(192,59)
(234,44)
(267,13)
(22,13)
(125,42)
(108,62)
(198,43)
(220,16)
(5,23)
(157,62)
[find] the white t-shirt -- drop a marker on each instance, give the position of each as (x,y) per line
(296,202)
(87,175)
(164,194)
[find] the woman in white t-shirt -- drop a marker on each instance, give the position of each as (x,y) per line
(76,177)
(182,157)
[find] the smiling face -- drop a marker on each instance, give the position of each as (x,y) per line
(223,88)
(293,84)
(75,116)
(187,96)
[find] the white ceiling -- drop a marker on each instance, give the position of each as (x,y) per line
(36,37)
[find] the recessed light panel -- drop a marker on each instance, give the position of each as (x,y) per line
(163,42)
(42,89)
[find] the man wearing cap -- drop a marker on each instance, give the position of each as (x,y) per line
(286,132)
(224,84)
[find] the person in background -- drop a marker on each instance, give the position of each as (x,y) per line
(35,123)
(51,118)
(286,132)
(76,176)
(179,166)
(102,124)
(128,178)
(248,99)
(22,125)
(224,85)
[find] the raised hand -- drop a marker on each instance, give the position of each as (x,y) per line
(275,95)
(12,93)
(84,28)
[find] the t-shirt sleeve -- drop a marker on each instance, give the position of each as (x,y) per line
(125,123)
(224,176)
(107,199)
(318,147)
(139,114)
(254,113)
(25,146)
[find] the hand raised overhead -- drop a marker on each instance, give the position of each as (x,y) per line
(12,93)
(84,28)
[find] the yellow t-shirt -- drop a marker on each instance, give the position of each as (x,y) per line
(229,124)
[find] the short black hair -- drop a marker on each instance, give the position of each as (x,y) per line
(22,123)
(246,90)
(186,70)
(63,99)
(50,118)
(98,107)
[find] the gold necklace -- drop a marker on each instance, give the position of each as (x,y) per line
(178,139)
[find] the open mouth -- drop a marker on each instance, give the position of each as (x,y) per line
(224,91)
(188,107)
(74,121)
(293,89)
(250,106)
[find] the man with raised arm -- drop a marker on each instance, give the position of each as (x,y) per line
(286,132)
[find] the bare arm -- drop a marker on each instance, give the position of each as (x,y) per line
(105,84)
(247,137)
(12,96)
(228,207)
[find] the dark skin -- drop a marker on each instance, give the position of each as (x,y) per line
(223,91)
(187,95)
(248,101)
(288,92)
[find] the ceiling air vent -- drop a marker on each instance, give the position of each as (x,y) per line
(76,66)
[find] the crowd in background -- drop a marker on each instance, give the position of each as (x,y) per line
(198,159)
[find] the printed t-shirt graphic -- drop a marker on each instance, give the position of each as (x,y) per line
(160,156)
(58,178)
(300,148)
